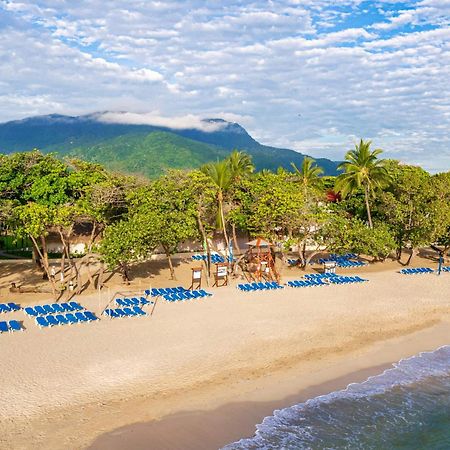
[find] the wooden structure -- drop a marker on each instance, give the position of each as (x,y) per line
(221,275)
(260,263)
(197,273)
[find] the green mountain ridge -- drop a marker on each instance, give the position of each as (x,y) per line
(143,149)
(149,154)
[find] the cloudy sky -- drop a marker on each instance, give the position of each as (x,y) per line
(312,75)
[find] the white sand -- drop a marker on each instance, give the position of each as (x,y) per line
(48,375)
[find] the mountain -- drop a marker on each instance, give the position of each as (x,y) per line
(143,149)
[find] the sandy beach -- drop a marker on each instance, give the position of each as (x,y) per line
(201,374)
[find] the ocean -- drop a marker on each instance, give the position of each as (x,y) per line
(406,407)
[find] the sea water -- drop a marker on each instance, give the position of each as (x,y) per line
(406,407)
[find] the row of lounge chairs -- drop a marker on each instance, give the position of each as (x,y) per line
(133,301)
(11,326)
(215,258)
(260,286)
(65,319)
(319,276)
(307,283)
(9,307)
(156,292)
(416,270)
(115,313)
(346,280)
(186,295)
(55,308)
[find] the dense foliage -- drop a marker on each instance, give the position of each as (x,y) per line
(376,208)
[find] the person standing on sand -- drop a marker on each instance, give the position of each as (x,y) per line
(53,273)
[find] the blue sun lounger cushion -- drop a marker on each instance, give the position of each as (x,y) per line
(15,325)
(14,306)
(42,322)
(4,327)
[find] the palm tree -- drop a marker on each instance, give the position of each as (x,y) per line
(309,173)
(241,164)
(221,175)
(362,170)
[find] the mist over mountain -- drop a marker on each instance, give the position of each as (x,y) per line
(143,148)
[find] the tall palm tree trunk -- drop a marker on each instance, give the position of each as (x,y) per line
(369,214)
(222,217)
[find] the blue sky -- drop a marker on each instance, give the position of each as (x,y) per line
(312,75)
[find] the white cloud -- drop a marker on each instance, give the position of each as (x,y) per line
(155,119)
(301,74)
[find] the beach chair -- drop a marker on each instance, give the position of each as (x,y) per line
(121,302)
(66,307)
(76,306)
(4,327)
(52,320)
(62,319)
(71,318)
(120,312)
(129,312)
(15,325)
(40,310)
(14,306)
(57,308)
(144,301)
(42,322)
(4,308)
(91,316)
(30,311)
(81,317)
(48,309)
(139,311)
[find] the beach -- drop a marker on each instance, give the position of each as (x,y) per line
(202,374)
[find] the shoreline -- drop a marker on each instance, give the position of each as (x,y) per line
(226,423)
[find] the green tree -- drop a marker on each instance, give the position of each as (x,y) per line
(308,174)
(362,171)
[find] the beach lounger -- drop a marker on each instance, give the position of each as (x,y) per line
(15,325)
(14,306)
(40,310)
(4,308)
(62,319)
(91,316)
(42,322)
(52,320)
(120,312)
(4,327)
(71,318)
(30,311)
(76,306)
(139,311)
(58,308)
(48,309)
(144,301)
(121,302)
(66,307)
(129,312)
(81,317)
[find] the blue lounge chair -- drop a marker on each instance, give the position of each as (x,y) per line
(76,306)
(66,307)
(71,318)
(120,312)
(138,310)
(81,317)
(57,308)
(4,327)
(42,322)
(30,311)
(144,301)
(52,320)
(40,310)
(121,302)
(15,325)
(14,306)
(61,318)
(129,312)
(48,309)
(4,308)
(90,315)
